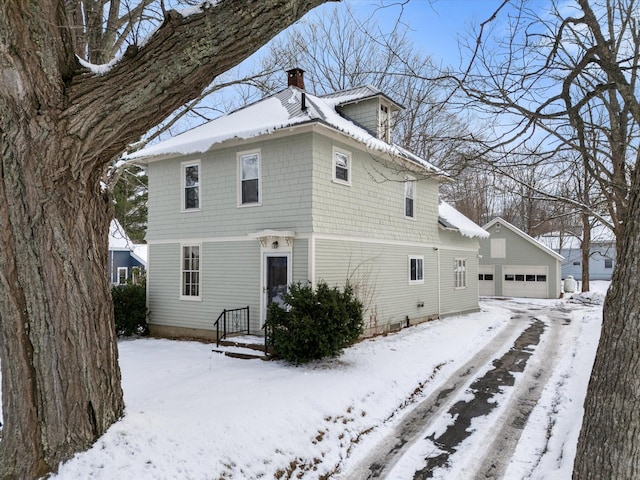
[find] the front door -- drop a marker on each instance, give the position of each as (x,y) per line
(276,279)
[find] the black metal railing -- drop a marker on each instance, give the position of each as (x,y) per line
(268,337)
(231,322)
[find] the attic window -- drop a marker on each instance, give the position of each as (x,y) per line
(498,248)
(384,125)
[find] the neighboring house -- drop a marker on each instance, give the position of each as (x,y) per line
(301,188)
(127,261)
(513,264)
(602,253)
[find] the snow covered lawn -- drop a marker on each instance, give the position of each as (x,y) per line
(194,414)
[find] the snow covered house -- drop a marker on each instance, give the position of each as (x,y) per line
(127,261)
(301,188)
(514,264)
(602,252)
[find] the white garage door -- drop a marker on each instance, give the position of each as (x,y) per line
(529,282)
(486,282)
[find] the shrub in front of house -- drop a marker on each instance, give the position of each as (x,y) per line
(130,309)
(314,323)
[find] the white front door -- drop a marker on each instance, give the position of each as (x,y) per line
(275,280)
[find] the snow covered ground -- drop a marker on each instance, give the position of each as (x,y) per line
(195,414)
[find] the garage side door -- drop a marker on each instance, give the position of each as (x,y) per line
(528,282)
(486,281)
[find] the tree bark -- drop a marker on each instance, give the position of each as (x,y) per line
(60,126)
(585,249)
(608,446)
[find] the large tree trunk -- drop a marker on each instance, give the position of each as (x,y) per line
(608,446)
(60,379)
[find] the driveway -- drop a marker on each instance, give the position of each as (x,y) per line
(473,403)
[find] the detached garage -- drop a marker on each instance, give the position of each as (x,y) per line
(513,264)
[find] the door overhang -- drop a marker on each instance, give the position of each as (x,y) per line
(273,239)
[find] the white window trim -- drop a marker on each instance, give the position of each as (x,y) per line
(191,298)
(347,154)
(384,125)
(239,156)
(408,178)
(498,247)
(183,185)
(126,275)
(455,274)
(421,259)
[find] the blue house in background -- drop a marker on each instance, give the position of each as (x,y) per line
(127,261)
(602,253)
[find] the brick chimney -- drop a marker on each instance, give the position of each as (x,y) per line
(295,78)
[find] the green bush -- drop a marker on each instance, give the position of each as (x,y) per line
(315,324)
(130,309)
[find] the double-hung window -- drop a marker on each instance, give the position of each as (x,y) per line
(123,273)
(249,178)
(416,269)
(191,186)
(341,167)
(460,272)
(190,272)
(409,196)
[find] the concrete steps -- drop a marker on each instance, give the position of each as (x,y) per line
(246,347)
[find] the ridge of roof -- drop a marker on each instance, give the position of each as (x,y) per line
(280,110)
(356,94)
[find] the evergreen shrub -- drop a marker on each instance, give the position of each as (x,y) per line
(314,324)
(130,309)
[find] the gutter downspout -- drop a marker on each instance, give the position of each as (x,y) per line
(439,296)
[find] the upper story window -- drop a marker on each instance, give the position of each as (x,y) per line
(416,269)
(608,263)
(460,272)
(498,248)
(249,178)
(190,272)
(191,186)
(384,124)
(341,167)
(409,196)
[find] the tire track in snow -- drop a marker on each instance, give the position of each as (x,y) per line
(380,462)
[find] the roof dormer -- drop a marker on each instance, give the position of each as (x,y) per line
(368,107)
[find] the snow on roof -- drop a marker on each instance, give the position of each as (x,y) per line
(276,112)
(356,94)
(452,218)
(119,240)
(600,235)
(553,241)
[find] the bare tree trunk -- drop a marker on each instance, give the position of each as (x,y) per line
(608,446)
(585,248)
(57,335)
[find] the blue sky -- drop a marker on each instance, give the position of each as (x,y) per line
(435,25)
